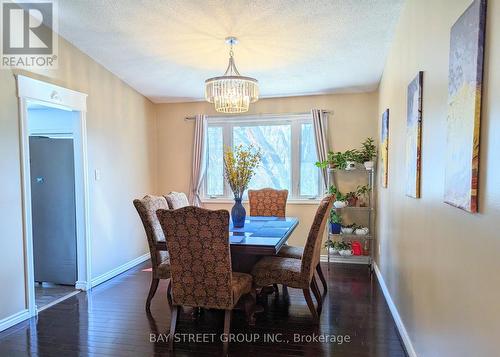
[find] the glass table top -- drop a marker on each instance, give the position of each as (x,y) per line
(262,231)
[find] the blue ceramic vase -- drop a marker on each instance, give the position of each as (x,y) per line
(238,213)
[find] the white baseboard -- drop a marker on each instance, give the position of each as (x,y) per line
(57,301)
(395,314)
(14,319)
(82,285)
(114,272)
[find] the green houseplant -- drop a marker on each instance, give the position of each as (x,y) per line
(362,193)
(335,222)
(367,153)
(339,160)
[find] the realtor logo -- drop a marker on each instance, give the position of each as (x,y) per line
(28,35)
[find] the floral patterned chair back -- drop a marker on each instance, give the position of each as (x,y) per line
(147,207)
(312,249)
(177,200)
(200,260)
(267,202)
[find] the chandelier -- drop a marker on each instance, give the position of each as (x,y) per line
(231,92)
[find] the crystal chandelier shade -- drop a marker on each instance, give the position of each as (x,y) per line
(231,92)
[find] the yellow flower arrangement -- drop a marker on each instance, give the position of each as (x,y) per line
(239,167)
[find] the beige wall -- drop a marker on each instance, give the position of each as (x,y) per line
(354,118)
(441,264)
(120,126)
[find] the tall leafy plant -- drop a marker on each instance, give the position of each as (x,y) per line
(368,150)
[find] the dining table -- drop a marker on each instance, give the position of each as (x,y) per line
(260,236)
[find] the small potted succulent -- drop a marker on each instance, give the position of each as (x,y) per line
(345,249)
(367,153)
(333,246)
(335,222)
(361,231)
(348,229)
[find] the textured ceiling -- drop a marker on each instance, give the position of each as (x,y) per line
(166,49)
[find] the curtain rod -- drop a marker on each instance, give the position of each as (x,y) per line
(263,114)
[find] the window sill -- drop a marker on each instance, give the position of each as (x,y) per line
(289,202)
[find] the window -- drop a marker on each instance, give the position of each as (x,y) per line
(288,153)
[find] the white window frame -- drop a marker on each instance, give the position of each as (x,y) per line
(295,120)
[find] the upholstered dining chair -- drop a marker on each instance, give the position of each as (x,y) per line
(267,202)
(200,263)
(160,260)
(177,200)
(298,273)
(289,251)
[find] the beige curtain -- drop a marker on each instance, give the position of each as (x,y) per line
(199,154)
(320,124)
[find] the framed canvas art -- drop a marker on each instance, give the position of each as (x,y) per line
(414,136)
(464,108)
(384,147)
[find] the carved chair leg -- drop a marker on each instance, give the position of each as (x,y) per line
(174,312)
(276,290)
(169,291)
(249,307)
(152,291)
(322,277)
(310,304)
(317,294)
(227,325)
(285,292)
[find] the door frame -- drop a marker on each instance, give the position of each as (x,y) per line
(50,95)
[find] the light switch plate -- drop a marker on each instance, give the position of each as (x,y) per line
(97,174)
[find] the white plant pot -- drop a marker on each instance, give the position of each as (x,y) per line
(361,231)
(369,165)
(346,230)
(335,251)
(350,165)
(345,252)
(340,204)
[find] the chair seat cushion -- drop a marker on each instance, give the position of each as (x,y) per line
(163,269)
(278,270)
(241,285)
(289,251)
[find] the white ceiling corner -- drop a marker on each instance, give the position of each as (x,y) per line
(166,49)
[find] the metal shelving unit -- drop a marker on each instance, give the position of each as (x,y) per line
(368,212)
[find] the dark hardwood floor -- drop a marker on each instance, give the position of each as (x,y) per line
(111,320)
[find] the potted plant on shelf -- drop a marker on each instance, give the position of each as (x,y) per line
(361,231)
(335,222)
(340,199)
(362,195)
(350,157)
(340,160)
(332,245)
(348,229)
(352,199)
(239,167)
(368,153)
(345,249)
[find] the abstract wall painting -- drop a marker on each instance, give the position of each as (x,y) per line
(384,147)
(464,108)
(414,136)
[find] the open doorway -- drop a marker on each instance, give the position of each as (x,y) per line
(55,192)
(53,202)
